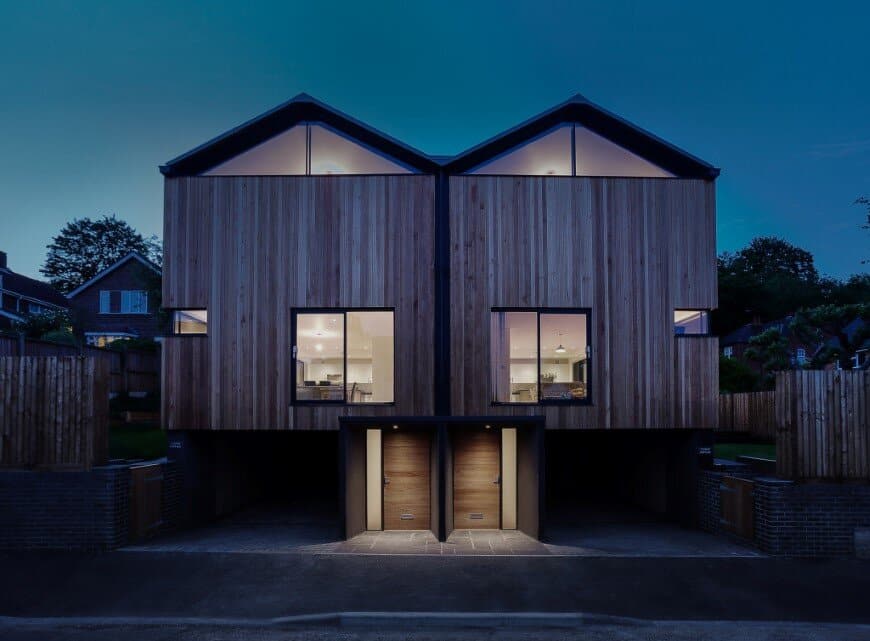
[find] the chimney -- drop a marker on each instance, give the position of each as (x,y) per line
(2,260)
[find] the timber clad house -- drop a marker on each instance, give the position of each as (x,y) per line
(483,340)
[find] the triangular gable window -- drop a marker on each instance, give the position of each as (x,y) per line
(308,149)
(597,156)
(570,150)
(546,155)
(281,155)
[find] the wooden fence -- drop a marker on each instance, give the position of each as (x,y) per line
(54,411)
(134,371)
(751,413)
(823,425)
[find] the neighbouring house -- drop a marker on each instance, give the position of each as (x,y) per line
(735,344)
(436,343)
(20,296)
(861,359)
(119,302)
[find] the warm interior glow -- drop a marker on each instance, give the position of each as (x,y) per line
(508,478)
(374,480)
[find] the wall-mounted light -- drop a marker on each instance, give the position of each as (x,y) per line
(395,427)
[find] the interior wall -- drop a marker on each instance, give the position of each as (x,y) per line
(530,476)
(355,450)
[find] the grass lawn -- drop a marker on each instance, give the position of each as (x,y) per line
(144,441)
(732,450)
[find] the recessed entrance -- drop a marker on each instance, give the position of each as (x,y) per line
(477,479)
(442,474)
(406,480)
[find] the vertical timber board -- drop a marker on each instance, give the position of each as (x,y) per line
(632,250)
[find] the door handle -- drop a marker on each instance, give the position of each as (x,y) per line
(386,481)
(497,480)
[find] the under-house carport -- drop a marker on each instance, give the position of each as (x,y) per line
(274,476)
(624,491)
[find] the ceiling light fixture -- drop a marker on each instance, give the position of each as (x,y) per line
(560,349)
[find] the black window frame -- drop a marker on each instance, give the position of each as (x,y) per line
(294,312)
(171,312)
(587,311)
(706,310)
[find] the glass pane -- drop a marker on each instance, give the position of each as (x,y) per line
(597,156)
(514,350)
(547,155)
(190,321)
(564,362)
(332,153)
(320,357)
(281,155)
(370,360)
(691,321)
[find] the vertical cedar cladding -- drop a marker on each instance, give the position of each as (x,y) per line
(629,249)
(249,249)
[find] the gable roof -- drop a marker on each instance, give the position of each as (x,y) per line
(108,270)
(580,110)
(302,108)
(745,332)
(30,288)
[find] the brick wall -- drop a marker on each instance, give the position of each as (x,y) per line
(75,510)
(794,519)
(809,519)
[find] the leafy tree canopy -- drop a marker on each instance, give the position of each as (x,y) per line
(736,376)
(770,278)
(770,350)
(49,322)
(85,247)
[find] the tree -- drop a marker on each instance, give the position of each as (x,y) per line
(770,278)
(85,247)
(838,328)
(770,350)
(736,376)
(46,324)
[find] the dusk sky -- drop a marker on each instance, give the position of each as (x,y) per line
(96,95)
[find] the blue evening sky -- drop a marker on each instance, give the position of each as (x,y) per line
(96,95)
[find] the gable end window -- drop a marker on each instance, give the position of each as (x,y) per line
(344,356)
(541,356)
(127,301)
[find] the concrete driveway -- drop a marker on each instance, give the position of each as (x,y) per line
(273,529)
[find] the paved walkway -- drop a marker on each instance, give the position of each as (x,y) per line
(271,530)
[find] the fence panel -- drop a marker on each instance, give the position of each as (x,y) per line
(131,371)
(752,413)
(54,411)
(823,425)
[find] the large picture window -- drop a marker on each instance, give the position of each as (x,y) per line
(540,356)
(344,356)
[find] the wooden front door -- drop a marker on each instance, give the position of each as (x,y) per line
(406,480)
(476,480)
